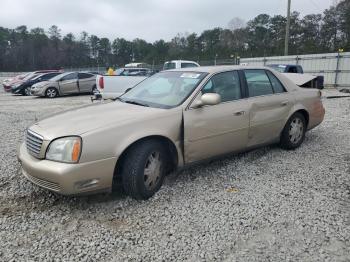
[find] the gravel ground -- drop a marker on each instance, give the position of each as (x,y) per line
(265,205)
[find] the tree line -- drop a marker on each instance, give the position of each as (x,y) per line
(23,49)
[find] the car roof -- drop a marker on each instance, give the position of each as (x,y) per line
(216,69)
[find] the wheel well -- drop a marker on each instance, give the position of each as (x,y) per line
(168,145)
(305,115)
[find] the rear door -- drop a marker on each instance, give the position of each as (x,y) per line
(214,130)
(86,82)
(69,84)
(270,105)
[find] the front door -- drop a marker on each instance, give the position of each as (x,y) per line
(211,131)
(69,84)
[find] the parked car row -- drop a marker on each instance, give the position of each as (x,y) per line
(15,81)
(51,83)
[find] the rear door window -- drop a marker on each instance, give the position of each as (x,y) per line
(276,84)
(258,82)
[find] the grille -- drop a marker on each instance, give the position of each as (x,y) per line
(33,143)
(44,183)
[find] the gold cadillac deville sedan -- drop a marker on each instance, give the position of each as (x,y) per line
(171,120)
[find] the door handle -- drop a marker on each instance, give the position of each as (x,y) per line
(239,113)
(284,103)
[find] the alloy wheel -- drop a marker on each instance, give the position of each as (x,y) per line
(51,93)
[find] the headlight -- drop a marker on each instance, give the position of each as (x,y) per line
(66,149)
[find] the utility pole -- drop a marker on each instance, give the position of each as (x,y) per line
(286,41)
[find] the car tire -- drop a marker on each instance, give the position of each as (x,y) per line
(94,90)
(143,169)
(51,92)
(294,131)
(26,91)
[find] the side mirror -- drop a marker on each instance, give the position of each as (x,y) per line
(208,99)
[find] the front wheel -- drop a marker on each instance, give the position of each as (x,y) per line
(51,92)
(143,169)
(26,91)
(294,131)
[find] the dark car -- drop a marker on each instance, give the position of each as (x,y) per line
(284,68)
(23,88)
(317,82)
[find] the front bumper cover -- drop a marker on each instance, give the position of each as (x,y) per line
(67,179)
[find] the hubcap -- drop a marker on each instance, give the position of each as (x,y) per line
(152,170)
(51,93)
(296,130)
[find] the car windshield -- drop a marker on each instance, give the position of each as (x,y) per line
(164,90)
(169,65)
(279,68)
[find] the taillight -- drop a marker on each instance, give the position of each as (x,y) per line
(101,83)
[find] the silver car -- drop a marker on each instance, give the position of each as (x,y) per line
(65,84)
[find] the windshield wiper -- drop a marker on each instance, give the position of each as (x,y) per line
(135,103)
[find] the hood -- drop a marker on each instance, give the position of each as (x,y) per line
(84,119)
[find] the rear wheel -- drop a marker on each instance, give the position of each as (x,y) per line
(94,90)
(144,169)
(51,92)
(294,131)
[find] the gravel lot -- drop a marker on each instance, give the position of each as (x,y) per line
(265,205)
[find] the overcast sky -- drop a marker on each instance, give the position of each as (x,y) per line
(147,19)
